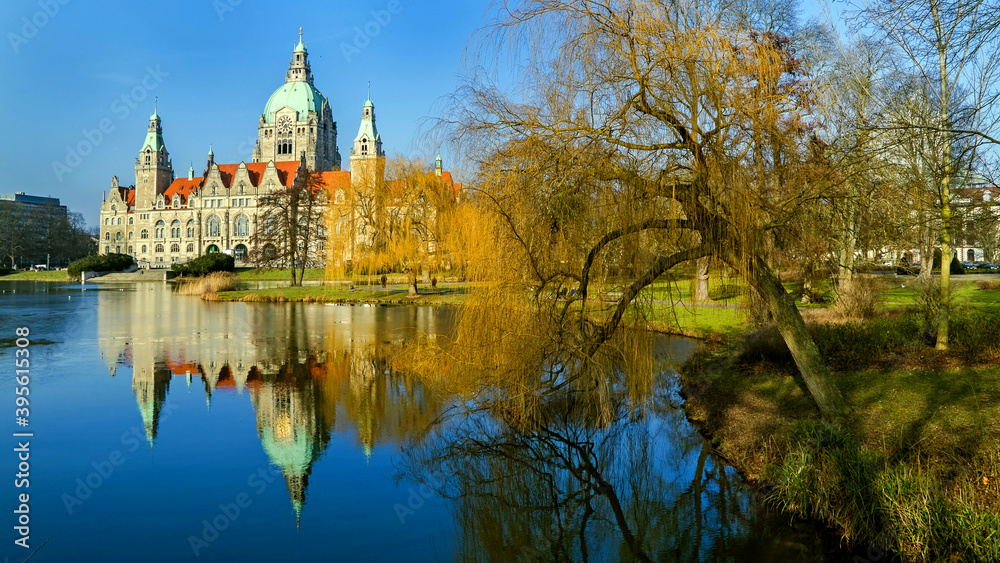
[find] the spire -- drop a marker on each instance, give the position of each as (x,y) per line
(191,172)
(211,157)
(438,166)
(154,134)
(155,115)
(298,68)
(301,47)
(368,142)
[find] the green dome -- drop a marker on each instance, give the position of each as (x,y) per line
(300,96)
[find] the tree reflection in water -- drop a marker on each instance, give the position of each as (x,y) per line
(573,484)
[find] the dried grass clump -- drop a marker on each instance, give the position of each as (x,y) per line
(209,286)
(988,284)
(860,298)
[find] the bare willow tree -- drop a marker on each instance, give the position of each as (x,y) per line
(398,220)
(661,123)
(290,231)
(951,48)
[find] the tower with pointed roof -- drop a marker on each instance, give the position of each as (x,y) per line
(153,170)
(298,120)
(367,156)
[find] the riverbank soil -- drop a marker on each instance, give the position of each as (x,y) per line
(916,471)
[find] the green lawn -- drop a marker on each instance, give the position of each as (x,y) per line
(340,293)
(251,274)
(54,275)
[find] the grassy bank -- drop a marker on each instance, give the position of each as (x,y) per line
(54,275)
(917,470)
(341,293)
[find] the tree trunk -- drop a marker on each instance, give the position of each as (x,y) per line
(808,273)
(701,280)
(807,358)
(926,264)
(944,313)
(412,282)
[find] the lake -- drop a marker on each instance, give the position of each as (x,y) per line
(165,428)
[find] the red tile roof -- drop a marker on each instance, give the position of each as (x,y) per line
(286,172)
(182,186)
(255,170)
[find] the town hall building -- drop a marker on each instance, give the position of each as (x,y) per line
(163,220)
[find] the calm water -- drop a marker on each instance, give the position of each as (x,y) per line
(167,428)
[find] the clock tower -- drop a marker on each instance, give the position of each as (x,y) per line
(297,120)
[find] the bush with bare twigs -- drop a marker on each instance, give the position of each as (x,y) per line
(859,298)
(988,284)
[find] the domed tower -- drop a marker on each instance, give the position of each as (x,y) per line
(297,119)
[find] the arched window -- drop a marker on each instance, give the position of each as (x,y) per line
(241,226)
(118,235)
(175,247)
(144,234)
(175,229)
(211,248)
(130,250)
(240,252)
(130,235)
(161,229)
(190,247)
(107,221)
(130,220)
(107,250)
(971,255)
(144,248)
(190,228)
(119,220)
(107,235)
(177,201)
(158,248)
(214,226)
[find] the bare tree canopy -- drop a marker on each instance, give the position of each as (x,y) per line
(637,136)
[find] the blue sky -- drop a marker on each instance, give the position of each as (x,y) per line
(70,67)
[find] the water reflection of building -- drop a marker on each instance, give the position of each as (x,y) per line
(311,371)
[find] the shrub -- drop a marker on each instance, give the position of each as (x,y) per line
(100,263)
(204,265)
(988,284)
(859,298)
(4,270)
(956,266)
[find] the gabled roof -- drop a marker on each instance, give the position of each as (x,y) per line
(255,170)
(227,172)
(127,195)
